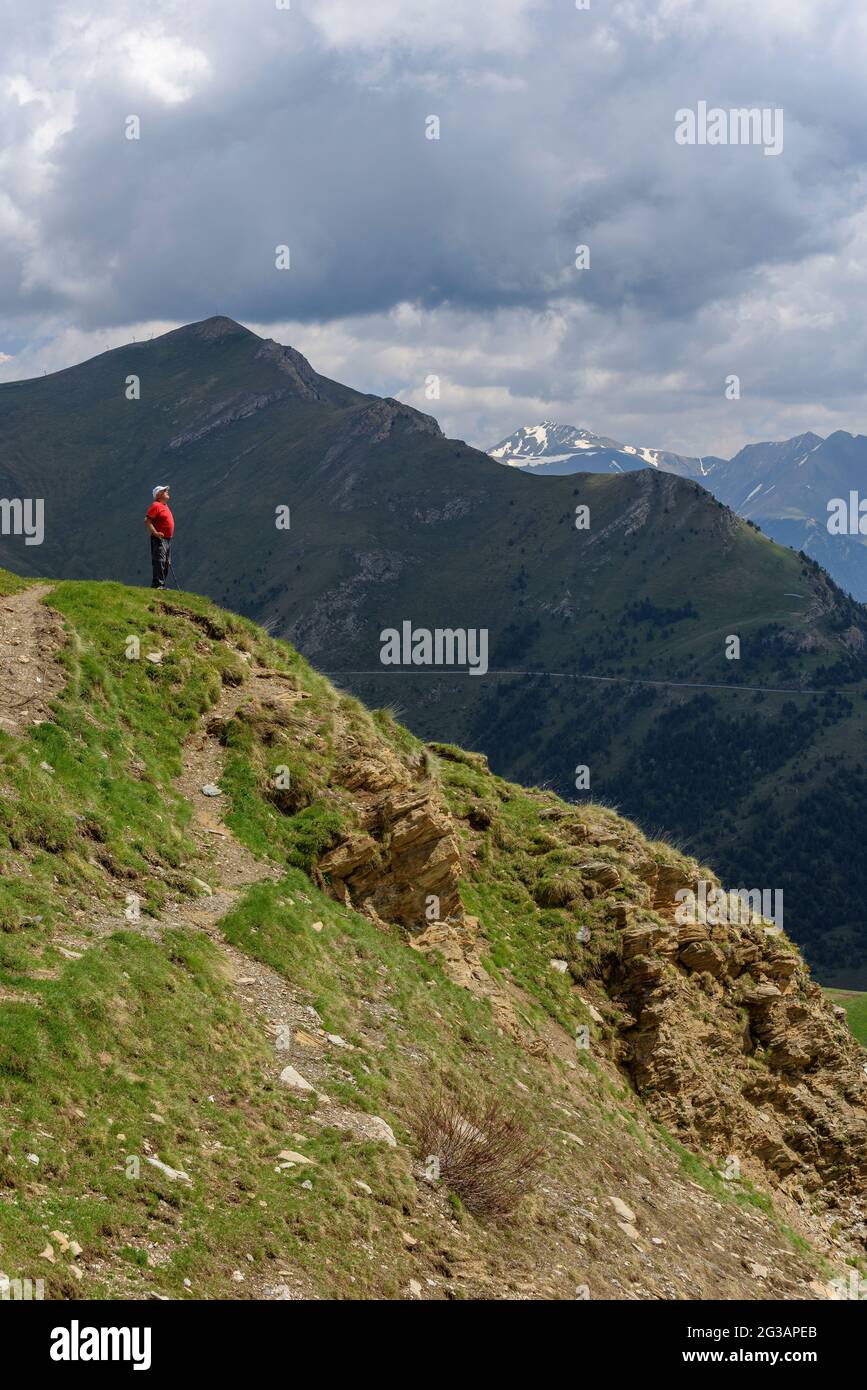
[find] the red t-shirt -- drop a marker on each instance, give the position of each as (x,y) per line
(161,519)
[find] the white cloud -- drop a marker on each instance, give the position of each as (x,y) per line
(164,66)
(49,115)
(55,346)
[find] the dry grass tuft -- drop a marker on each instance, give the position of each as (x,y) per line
(482,1153)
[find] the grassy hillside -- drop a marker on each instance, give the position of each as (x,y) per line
(855,1004)
(164,956)
(626,622)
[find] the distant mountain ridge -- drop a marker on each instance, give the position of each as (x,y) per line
(786,487)
(783,486)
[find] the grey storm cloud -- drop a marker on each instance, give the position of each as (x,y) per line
(306,126)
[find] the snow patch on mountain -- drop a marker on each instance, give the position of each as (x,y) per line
(564,449)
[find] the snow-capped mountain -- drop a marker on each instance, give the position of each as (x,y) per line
(561,449)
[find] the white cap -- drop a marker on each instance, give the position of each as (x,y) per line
(157,490)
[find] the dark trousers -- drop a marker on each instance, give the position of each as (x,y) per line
(161,554)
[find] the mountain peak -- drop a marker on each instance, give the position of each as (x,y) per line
(213,328)
(550,448)
(545,439)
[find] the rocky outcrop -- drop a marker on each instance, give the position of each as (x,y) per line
(705,1006)
(401,864)
(731,1043)
(225,412)
(458,947)
(376,422)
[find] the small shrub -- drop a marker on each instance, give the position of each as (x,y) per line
(483,1154)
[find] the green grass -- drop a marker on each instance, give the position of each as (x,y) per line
(11,584)
(88,794)
(142,1045)
(855,1004)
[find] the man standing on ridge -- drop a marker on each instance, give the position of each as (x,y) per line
(161,525)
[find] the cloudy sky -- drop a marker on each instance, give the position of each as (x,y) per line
(306,126)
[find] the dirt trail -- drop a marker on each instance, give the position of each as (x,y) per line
(225,870)
(231,864)
(292,1025)
(30,675)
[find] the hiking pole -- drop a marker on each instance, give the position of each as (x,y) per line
(172,570)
